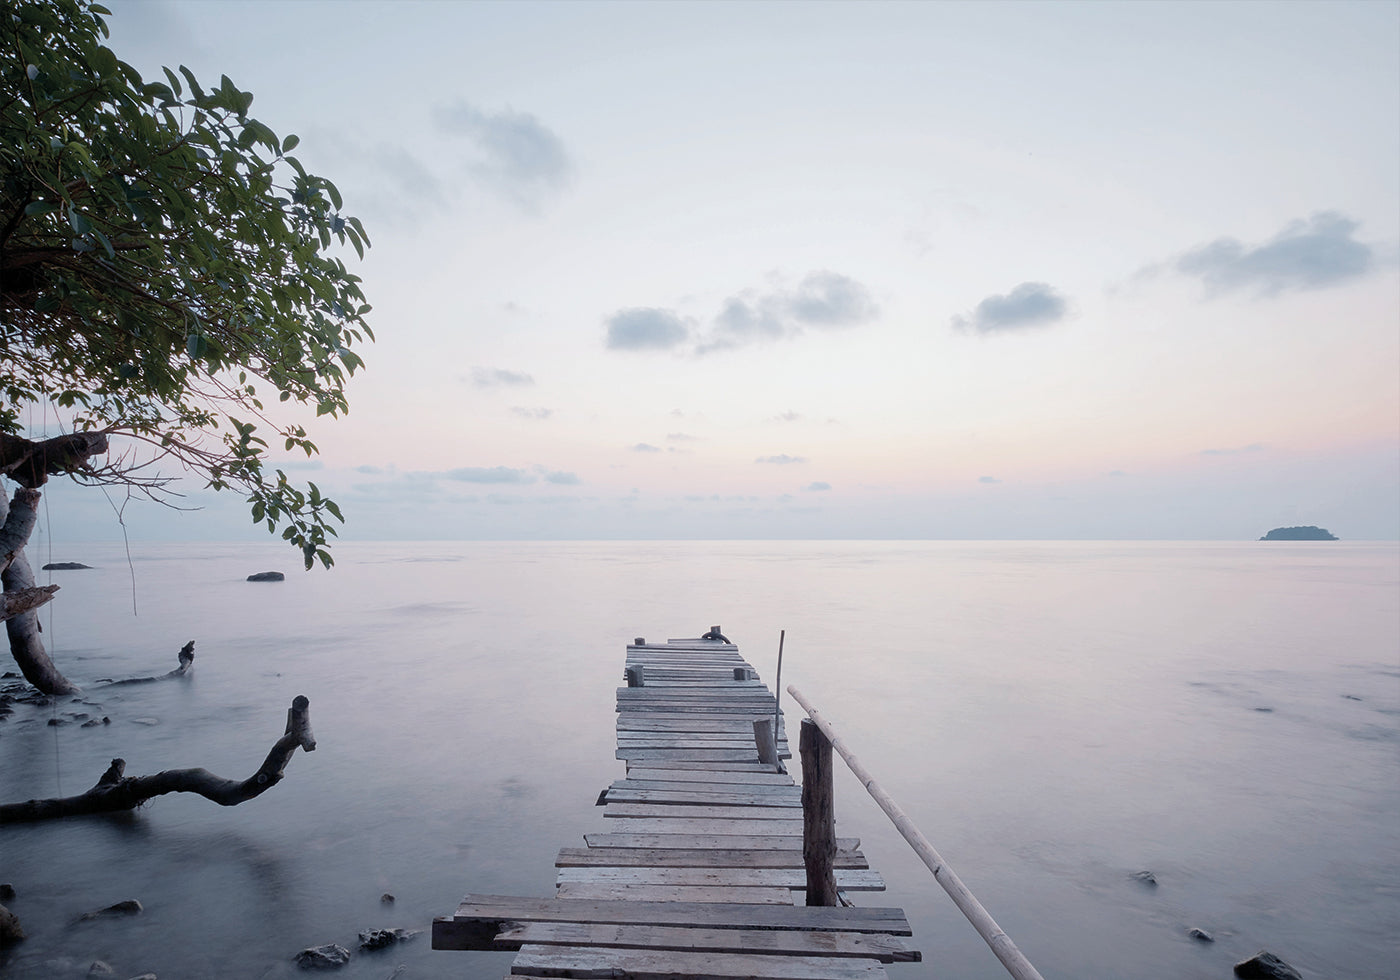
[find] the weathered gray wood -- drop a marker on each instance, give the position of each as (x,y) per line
(699,825)
(690,775)
(696,894)
(778,791)
(693,754)
(771,942)
(764,742)
(476,911)
(755,841)
(636,676)
(847,879)
(818,816)
(707,857)
(704,766)
(700,799)
(698,811)
(625,964)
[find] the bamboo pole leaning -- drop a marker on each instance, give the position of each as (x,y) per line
(995,937)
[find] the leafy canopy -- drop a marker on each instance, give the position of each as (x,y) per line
(163,264)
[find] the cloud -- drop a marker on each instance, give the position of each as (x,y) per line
(822,299)
(1311,254)
(987,479)
(532,413)
(299,464)
(681,437)
(1253,447)
(487,377)
(788,416)
(1031,304)
(647,328)
(562,478)
(828,299)
(645,447)
(516,155)
(783,460)
(818,485)
(488,474)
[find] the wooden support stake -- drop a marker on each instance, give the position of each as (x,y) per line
(742,673)
(818,816)
(767,744)
(634,676)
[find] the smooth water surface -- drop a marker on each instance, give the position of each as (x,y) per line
(1054,716)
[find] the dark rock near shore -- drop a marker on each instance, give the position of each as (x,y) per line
(10,932)
(384,938)
(7,892)
(387,899)
(64,566)
(1308,532)
(100,968)
(266,577)
(1266,966)
(327,957)
(1200,934)
(129,906)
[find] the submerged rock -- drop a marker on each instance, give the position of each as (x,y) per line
(1146,877)
(64,566)
(387,899)
(266,577)
(1201,934)
(328,957)
(10,932)
(1264,965)
(100,968)
(128,906)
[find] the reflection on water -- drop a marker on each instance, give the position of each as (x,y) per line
(1054,716)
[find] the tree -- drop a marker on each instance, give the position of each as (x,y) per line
(165,265)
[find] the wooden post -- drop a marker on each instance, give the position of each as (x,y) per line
(634,676)
(767,744)
(742,673)
(640,641)
(818,815)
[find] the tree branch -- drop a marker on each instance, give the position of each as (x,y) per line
(114,791)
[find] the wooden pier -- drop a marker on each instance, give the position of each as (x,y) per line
(699,877)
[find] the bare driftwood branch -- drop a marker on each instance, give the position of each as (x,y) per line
(26,645)
(115,791)
(14,603)
(185,657)
(31,463)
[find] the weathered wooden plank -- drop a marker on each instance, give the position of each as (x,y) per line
(587,963)
(699,894)
(886,949)
(755,841)
(699,798)
(696,755)
(490,911)
(691,776)
(655,721)
(706,766)
(725,827)
(715,857)
(672,810)
(847,879)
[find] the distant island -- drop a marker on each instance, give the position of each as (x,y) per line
(1308,533)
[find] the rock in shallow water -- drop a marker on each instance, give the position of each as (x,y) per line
(1198,933)
(1266,966)
(382,938)
(327,957)
(266,577)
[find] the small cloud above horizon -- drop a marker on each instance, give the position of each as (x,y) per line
(1253,447)
(1031,304)
(988,479)
(817,485)
(488,474)
(489,377)
(647,328)
(1313,253)
(644,447)
(537,414)
(781,460)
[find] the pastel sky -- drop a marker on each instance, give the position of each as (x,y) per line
(813,270)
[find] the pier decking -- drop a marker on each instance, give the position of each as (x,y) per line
(698,877)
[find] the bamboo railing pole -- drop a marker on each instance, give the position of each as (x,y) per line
(1012,958)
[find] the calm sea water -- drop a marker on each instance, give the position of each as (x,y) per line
(1054,716)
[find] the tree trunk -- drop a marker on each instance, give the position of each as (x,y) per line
(115,792)
(25,642)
